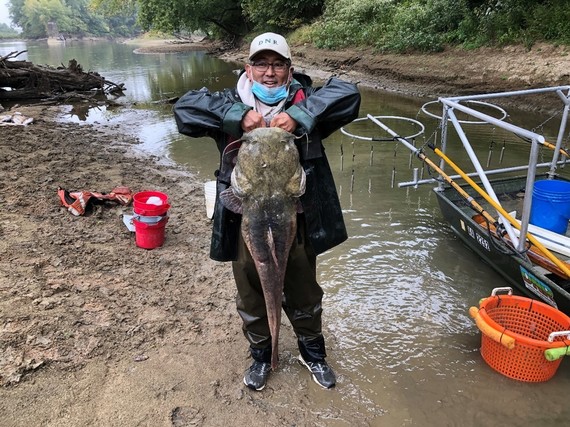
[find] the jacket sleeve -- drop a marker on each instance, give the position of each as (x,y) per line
(329,107)
(201,113)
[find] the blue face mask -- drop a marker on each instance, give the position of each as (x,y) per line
(269,95)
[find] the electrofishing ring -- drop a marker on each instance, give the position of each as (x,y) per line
(371,138)
(468,122)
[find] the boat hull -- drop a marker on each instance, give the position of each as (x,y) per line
(524,276)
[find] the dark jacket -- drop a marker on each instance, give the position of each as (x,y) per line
(322,111)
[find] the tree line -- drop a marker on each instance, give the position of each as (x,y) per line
(7,32)
(386,25)
(72,18)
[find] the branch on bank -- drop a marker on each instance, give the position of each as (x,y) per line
(27,81)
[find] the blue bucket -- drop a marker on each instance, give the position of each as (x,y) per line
(551,205)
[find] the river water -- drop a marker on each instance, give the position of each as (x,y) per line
(397,293)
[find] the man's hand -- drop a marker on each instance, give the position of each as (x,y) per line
(252,120)
(284,121)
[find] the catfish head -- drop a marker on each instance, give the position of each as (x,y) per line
(266,184)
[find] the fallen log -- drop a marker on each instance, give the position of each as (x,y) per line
(29,81)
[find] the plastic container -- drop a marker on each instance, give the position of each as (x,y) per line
(150,235)
(142,207)
(551,205)
(210,195)
(531,324)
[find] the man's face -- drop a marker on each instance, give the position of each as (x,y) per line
(277,72)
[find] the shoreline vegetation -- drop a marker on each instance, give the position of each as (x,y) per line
(387,26)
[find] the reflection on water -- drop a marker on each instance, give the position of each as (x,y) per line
(397,293)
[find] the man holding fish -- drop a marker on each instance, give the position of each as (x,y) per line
(277,207)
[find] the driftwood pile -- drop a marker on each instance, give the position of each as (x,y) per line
(28,81)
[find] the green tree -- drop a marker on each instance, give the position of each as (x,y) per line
(426,26)
(120,15)
(16,10)
(7,32)
(86,21)
(350,23)
(37,14)
(282,14)
(114,7)
(73,17)
(229,19)
(223,18)
(526,21)
(396,25)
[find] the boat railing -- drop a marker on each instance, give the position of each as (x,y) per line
(415,182)
(449,107)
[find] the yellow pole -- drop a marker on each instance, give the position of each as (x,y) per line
(553,147)
(458,188)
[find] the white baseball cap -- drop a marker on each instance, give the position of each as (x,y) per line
(270,41)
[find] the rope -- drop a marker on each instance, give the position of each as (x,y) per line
(499,302)
(499,234)
(541,125)
(502,334)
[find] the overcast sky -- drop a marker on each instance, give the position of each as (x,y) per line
(4,12)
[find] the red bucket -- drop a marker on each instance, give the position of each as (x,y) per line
(148,235)
(142,207)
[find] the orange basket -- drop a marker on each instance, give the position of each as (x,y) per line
(522,338)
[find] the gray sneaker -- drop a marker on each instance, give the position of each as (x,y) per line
(256,376)
(321,372)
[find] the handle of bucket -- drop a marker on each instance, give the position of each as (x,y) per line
(558,334)
(556,353)
(148,219)
(488,330)
(504,289)
(497,290)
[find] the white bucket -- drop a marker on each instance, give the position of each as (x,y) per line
(210,193)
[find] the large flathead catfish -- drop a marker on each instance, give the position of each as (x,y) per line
(267,182)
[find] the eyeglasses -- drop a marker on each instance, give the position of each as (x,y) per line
(278,66)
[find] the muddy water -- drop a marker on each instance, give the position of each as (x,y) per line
(398,291)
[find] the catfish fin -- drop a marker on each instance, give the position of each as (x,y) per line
(231,201)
